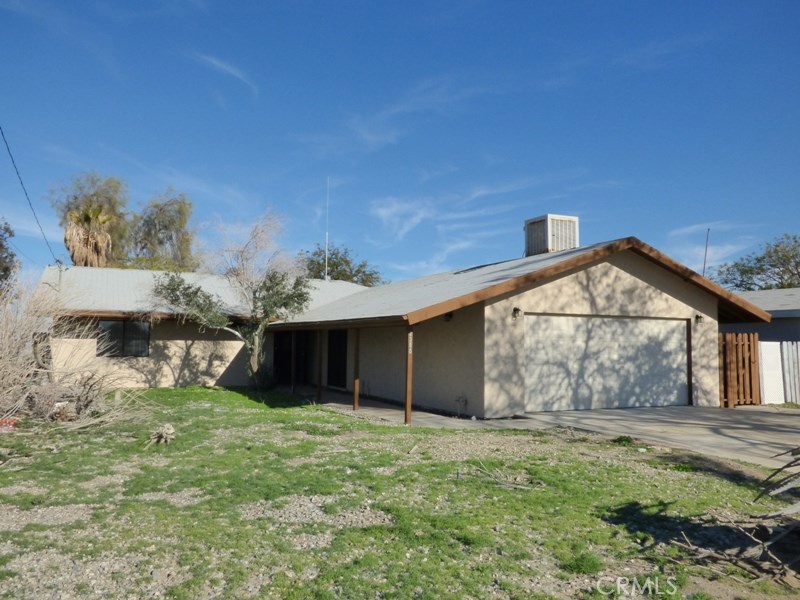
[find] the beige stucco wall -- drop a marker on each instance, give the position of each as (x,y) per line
(180,355)
(625,285)
(448,363)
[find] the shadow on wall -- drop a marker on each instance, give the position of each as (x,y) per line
(579,363)
(179,363)
(604,343)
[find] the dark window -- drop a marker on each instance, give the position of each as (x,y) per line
(123,338)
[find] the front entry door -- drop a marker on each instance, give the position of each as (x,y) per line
(337,358)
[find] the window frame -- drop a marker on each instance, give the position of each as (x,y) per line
(131,338)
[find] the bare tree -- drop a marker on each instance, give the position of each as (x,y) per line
(270,285)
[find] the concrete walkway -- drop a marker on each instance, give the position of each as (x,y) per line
(748,434)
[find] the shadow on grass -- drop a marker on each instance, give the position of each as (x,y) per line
(270,397)
(652,525)
(738,474)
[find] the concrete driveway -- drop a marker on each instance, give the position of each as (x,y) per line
(749,434)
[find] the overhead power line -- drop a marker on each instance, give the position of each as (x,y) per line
(25,191)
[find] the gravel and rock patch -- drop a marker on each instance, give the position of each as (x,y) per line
(296,510)
(14,519)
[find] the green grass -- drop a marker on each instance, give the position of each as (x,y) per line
(391,512)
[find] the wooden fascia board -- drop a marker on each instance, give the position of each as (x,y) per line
(116,314)
(740,306)
(390,321)
(516,283)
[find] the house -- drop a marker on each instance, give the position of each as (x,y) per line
(782,305)
(610,325)
(779,343)
(140,343)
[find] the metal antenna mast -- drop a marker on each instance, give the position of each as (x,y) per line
(327,213)
(705,256)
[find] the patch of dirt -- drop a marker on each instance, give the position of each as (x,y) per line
(186,497)
(299,510)
(23,488)
(310,541)
(14,519)
(50,574)
(102,481)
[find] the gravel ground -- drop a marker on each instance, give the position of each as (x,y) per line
(47,573)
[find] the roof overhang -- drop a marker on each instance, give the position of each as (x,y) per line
(731,308)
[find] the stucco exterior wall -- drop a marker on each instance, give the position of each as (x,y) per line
(624,285)
(382,363)
(180,355)
(448,363)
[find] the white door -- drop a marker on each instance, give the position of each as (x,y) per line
(604,362)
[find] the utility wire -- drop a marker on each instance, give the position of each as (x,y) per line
(13,162)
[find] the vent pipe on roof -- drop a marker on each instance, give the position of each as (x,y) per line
(550,233)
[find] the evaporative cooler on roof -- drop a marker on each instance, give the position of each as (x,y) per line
(550,233)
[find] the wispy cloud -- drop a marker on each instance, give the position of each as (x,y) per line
(431,96)
(688,243)
(658,53)
(481,191)
(435,263)
(714,226)
(399,216)
(226,68)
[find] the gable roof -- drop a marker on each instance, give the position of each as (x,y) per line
(107,292)
(416,300)
(781,304)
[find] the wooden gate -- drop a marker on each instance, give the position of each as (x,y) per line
(739,380)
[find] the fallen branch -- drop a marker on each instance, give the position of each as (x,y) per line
(163,435)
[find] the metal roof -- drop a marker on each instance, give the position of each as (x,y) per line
(419,299)
(95,291)
(396,300)
(781,304)
(101,291)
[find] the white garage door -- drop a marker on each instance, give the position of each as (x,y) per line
(604,362)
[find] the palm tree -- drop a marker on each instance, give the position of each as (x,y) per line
(86,236)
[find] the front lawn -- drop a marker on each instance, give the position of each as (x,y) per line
(277,499)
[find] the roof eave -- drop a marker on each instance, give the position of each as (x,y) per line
(387,321)
(732,309)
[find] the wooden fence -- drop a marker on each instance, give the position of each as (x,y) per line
(739,379)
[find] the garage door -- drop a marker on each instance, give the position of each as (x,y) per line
(604,362)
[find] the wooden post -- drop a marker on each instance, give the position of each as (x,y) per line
(721,360)
(356,374)
(409,373)
(319,366)
(293,361)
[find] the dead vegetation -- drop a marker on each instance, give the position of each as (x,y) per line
(36,388)
(769,544)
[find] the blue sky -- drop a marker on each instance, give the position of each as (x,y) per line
(441,126)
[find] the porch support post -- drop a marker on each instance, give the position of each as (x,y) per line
(689,368)
(356,373)
(319,366)
(409,373)
(293,361)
